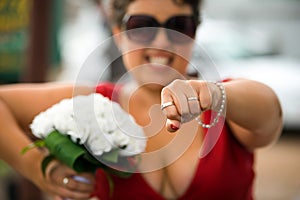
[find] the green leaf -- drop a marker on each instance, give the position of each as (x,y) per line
(111,156)
(38,143)
(76,156)
(68,152)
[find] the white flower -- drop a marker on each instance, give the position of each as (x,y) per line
(95,121)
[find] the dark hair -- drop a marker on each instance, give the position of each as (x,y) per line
(118,9)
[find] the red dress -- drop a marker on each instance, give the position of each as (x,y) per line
(226,173)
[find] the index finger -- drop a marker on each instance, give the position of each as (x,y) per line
(169,107)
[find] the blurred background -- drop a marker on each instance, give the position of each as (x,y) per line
(50,40)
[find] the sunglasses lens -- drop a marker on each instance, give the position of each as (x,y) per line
(143,29)
(182,27)
(139,28)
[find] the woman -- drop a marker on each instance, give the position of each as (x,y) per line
(224,168)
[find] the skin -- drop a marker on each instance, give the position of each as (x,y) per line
(254,117)
(254,122)
(16,112)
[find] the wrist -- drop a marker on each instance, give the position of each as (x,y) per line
(32,166)
(218,103)
(218,96)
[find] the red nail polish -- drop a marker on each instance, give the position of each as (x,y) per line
(173,127)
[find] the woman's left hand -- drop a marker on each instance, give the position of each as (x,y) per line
(68,183)
(184,100)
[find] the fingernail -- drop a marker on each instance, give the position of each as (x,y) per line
(173,127)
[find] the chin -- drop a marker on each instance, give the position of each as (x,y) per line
(152,87)
(156,81)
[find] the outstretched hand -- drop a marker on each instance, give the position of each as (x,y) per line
(184,100)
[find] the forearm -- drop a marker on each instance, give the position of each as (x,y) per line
(12,141)
(27,100)
(19,104)
(253,109)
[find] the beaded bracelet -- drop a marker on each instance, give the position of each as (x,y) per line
(221,109)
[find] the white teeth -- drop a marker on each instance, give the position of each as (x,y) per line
(159,60)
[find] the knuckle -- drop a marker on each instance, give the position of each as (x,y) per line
(74,185)
(177,83)
(192,82)
(165,91)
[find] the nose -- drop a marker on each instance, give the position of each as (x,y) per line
(161,39)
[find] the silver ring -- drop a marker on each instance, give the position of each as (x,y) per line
(192,99)
(167,104)
(65,181)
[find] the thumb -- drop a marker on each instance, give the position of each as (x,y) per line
(172,125)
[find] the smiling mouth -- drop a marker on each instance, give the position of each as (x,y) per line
(159,61)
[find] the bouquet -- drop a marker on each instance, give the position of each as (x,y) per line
(88,132)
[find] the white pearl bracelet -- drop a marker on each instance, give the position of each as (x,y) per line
(221,109)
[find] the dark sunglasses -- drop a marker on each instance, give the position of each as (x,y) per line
(143,28)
